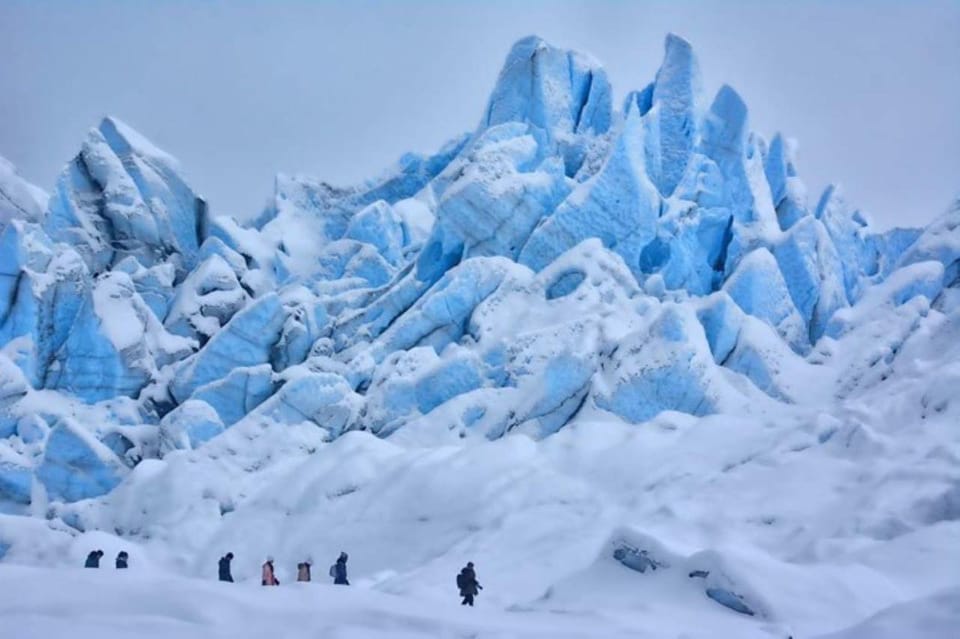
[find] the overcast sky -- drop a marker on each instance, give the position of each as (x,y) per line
(239,92)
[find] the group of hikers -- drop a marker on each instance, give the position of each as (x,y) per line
(93,559)
(268,576)
(467,582)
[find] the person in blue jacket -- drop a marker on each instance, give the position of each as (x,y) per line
(225,567)
(339,570)
(468,584)
(93,559)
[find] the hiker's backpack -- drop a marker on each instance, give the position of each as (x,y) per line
(461,581)
(333,570)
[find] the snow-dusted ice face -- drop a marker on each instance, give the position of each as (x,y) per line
(619,359)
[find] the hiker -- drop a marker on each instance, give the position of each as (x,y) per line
(339,570)
(303,570)
(122,560)
(93,559)
(268,577)
(225,567)
(468,584)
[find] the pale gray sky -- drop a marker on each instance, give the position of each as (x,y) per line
(239,91)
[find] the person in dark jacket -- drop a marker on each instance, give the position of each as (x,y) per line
(122,559)
(468,584)
(225,567)
(339,570)
(93,559)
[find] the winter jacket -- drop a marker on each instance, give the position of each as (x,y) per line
(93,560)
(121,561)
(340,573)
(469,582)
(303,572)
(268,578)
(225,569)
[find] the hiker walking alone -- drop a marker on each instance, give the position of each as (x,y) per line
(122,560)
(268,577)
(225,567)
(339,570)
(303,570)
(468,584)
(93,559)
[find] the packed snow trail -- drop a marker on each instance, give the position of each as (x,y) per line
(38,603)
(41,603)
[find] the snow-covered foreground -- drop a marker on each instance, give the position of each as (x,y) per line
(38,603)
(794,524)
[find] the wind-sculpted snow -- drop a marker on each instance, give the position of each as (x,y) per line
(206,300)
(940,242)
(18,198)
(306,214)
(665,366)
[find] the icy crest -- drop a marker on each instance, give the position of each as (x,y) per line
(675,102)
(18,198)
(561,92)
(121,197)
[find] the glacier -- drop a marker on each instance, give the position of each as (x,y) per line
(597,323)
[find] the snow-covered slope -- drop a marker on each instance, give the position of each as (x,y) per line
(152,605)
(616,357)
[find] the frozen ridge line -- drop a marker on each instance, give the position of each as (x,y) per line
(570,272)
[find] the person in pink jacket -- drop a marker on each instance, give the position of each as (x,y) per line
(268,577)
(303,570)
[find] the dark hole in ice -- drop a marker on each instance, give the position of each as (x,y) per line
(636,559)
(565,284)
(730,600)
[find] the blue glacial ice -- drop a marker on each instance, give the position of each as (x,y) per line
(120,197)
(76,466)
(565,94)
(664,367)
(188,426)
(758,287)
(619,205)
(675,110)
(561,257)
(246,340)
